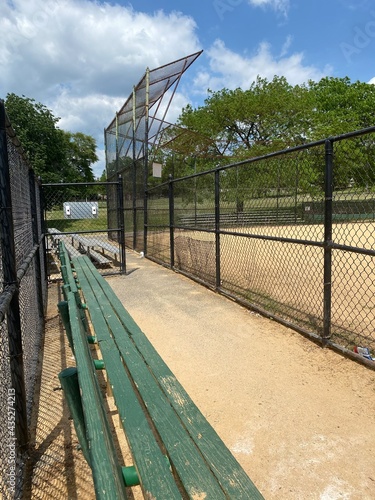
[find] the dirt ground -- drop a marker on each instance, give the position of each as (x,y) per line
(298,418)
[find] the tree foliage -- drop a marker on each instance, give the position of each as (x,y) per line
(266,117)
(80,149)
(340,106)
(270,116)
(55,155)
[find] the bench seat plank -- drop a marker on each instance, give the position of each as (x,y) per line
(73,252)
(55,234)
(97,242)
(153,468)
(98,257)
(191,468)
(87,244)
(108,246)
(107,473)
(153,377)
(66,270)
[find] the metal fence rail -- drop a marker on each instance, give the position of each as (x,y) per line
(290,234)
(22,305)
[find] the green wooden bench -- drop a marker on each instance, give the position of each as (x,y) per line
(175,451)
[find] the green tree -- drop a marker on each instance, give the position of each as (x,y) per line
(341,106)
(234,125)
(237,124)
(266,117)
(80,155)
(55,155)
(42,141)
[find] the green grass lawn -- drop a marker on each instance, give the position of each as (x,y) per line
(55,219)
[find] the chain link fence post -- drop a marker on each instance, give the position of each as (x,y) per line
(37,240)
(121,222)
(326,334)
(171,219)
(217,228)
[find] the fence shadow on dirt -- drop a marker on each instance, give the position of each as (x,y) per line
(56,467)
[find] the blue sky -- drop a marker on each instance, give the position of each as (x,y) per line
(81,58)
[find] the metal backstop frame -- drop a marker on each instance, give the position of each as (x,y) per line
(134,133)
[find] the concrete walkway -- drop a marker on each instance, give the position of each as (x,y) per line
(300,419)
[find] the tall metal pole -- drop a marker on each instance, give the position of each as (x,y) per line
(121,222)
(8,254)
(217,228)
(145,171)
(296,194)
(171,219)
(195,189)
(327,312)
(36,238)
(43,228)
(109,223)
(134,171)
(117,144)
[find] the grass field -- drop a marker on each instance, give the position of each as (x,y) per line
(55,218)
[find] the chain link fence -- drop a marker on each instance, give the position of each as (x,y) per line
(22,305)
(290,234)
(89,218)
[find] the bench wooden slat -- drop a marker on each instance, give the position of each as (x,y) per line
(98,257)
(96,242)
(191,468)
(107,473)
(55,233)
(108,246)
(138,356)
(66,269)
(156,477)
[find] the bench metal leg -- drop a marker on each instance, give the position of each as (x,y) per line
(69,383)
(64,314)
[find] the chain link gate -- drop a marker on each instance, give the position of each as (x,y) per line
(89,218)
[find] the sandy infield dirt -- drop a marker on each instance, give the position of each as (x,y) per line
(299,419)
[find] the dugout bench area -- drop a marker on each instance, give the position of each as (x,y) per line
(175,451)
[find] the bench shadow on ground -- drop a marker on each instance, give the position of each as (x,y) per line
(56,467)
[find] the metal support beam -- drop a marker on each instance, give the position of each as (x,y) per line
(326,334)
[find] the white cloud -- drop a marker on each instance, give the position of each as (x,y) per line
(287,44)
(81,58)
(232,70)
(281,6)
(372,80)
(87,46)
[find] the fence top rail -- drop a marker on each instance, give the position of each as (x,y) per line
(274,154)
